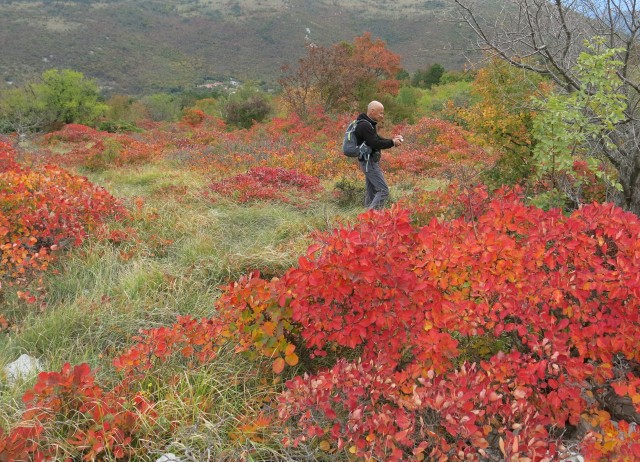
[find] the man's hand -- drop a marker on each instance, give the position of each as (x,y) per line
(398,140)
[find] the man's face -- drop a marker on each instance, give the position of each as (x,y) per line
(377,113)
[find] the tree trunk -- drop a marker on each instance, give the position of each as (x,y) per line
(629,177)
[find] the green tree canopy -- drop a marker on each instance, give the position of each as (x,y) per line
(71,96)
(426,78)
(21,111)
(247,106)
(162,106)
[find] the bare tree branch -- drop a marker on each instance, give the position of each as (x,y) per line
(546,37)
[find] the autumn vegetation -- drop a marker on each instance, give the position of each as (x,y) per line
(210,285)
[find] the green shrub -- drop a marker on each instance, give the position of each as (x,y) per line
(246,107)
(436,100)
(349,192)
(118,126)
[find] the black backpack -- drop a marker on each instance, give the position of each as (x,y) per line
(350,146)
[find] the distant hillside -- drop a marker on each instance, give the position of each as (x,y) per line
(142,46)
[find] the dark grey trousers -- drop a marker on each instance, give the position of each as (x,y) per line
(377,189)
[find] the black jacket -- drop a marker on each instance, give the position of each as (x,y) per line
(368,133)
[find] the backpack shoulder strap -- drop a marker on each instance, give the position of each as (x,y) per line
(364,120)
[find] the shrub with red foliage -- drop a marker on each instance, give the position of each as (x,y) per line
(437,148)
(97,150)
(187,337)
(72,133)
(43,210)
(269,184)
(98,422)
(556,293)
(7,158)
(385,315)
(384,318)
(193,117)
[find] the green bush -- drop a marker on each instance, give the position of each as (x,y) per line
(118,126)
(403,108)
(427,78)
(246,107)
(349,192)
(162,107)
(435,100)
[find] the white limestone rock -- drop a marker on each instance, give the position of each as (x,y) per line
(168,458)
(21,369)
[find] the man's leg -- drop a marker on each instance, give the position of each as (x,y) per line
(370,190)
(376,178)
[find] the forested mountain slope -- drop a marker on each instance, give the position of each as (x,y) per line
(141,46)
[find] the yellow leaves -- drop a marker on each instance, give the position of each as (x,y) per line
(290,358)
(609,446)
(597,417)
(325,445)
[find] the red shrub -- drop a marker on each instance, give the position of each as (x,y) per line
(43,210)
(267,183)
(193,117)
(7,158)
(553,298)
(545,304)
(99,422)
(72,133)
(555,293)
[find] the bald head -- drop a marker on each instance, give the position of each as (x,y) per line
(375,111)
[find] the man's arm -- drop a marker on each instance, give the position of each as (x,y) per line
(368,135)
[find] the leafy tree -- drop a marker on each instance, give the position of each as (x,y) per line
(247,106)
(404,106)
(426,78)
(568,121)
(341,77)
(162,107)
(207,105)
(503,114)
(439,100)
(456,76)
(553,35)
(120,115)
(381,64)
(71,97)
(60,97)
(119,107)
(22,111)
(403,75)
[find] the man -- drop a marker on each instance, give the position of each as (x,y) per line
(377,189)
